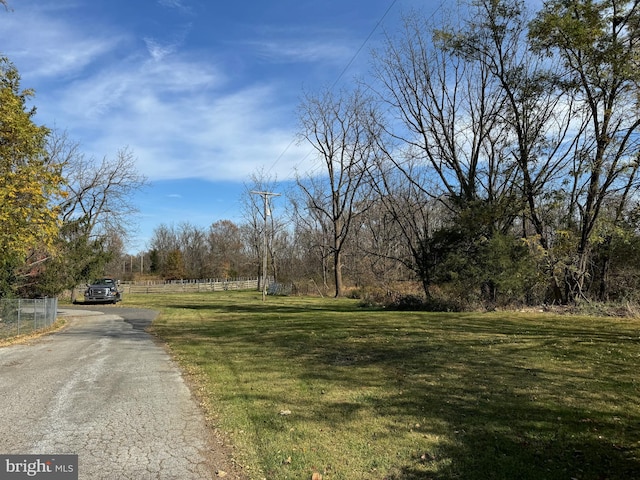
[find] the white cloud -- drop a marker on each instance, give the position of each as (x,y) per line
(179,118)
(157,51)
(160,49)
(217,137)
(179,4)
(309,51)
(43,46)
(182,116)
(306,44)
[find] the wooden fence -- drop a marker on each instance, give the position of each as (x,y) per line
(189,286)
(178,286)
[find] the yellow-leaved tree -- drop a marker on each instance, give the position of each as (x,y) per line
(31,184)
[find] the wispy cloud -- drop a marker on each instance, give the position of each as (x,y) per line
(158,51)
(179,4)
(183,116)
(291,50)
(202,135)
(44,47)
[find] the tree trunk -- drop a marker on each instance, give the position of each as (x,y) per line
(337,267)
(603,289)
(576,277)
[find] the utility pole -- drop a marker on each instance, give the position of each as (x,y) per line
(265,196)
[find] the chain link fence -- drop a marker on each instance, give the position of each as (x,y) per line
(20,316)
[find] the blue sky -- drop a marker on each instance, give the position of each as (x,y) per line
(204,93)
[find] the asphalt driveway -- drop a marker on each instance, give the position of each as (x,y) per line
(103,389)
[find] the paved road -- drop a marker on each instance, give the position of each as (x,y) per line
(103,389)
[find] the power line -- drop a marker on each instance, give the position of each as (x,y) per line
(364,43)
(344,70)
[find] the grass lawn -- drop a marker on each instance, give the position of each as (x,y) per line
(304,385)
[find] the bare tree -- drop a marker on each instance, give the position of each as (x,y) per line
(163,240)
(226,249)
(194,248)
(409,214)
(101,192)
(313,237)
(114,244)
(97,209)
(444,112)
(446,133)
(378,252)
(342,131)
(484,116)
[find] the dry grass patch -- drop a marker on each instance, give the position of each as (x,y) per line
(33,334)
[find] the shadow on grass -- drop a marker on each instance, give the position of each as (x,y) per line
(510,398)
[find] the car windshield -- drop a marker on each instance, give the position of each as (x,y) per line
(103,281)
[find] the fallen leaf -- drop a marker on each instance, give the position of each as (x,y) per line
(221,473)
(285,412)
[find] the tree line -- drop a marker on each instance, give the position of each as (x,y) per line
(500,147)
(490,157)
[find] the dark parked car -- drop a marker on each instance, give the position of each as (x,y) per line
(103,290)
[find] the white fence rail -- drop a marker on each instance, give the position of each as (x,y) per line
(22,316)
(178,286)
(189,286)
